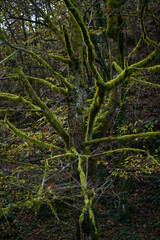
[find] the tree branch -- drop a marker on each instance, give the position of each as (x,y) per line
(57,75)
(48,113)
(123,138)
(25,19)
(68,44)
(47,19)
(142,26)
(145,83)
(132,68)
(135,49)
(32,140)
(8,57)
(53,87)
(32,94)
(12,98)
(59,58)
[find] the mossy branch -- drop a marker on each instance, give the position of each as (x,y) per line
(125,150)
(137,47)
(47,112)
(63,80)
(17,99)
(90,50)
(41,61)
(53,87)
(68,154)
(88,200)
(114,82)
(147,60)
(119,150)
(132,68)
(117,67)
(8,57)
(100,93)
(106,117)
(32,94)
(37,58)
(11,110)
(145,83)
(94,110)
(123,138)
(33,203)
(57,75)
(99,79)
(59,58)
(68,44)
(149,69)
(142,26)
(32,140)
(79,20)
(99,99)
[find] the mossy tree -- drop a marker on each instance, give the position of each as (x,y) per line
(78,137)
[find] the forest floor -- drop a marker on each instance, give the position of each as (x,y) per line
(144,222)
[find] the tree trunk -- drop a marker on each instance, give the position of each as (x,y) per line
(123,213)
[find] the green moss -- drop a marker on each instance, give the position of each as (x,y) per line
(104,119)
(147,84)
(40,60)
(132,68)
(53,87)
(117,67)
(99,79)
(95,108)
(154,68)
(114,82)
(124,138)
(68,44)
(148,59)
(137,47)
(63,80)
(47,112)
(13,76)
(8,57)
(144,32)
(59,58)
(85,34)
(113,27)
(88,196)
(32,140)
(81,173)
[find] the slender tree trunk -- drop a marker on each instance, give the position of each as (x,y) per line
(123,213)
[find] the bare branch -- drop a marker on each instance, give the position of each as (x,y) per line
(47,19)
